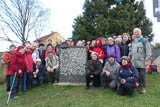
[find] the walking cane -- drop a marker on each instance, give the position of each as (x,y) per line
(25,81)
(11,87)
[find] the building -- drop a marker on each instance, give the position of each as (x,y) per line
(54,36)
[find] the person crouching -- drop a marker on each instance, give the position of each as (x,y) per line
(52,64)
(127,77)
(110,73)
(93,70)
(38,73)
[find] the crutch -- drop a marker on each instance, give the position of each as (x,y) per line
(11,87)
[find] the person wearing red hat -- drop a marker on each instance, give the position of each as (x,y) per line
(17,65)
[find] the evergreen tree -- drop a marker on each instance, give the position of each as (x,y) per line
(108,18)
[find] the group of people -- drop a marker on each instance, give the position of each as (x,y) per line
(120,60)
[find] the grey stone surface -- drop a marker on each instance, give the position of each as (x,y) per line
(72,64)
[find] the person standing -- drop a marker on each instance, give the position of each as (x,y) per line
(52,64)
(7,60)
(17,65)
(113,50)
(42,53)
(141,55)
(29,65)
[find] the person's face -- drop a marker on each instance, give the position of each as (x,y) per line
(27,43)
(125,38)
(124,62)
(110,42)
(41,47)
(97,41)
(34,47)
(93,43)
(50,55)
(38,63)
(88,43)
(120,37)
(59,42)
(12,49)
(49,48)
(137,33)
(49,42)
(111,59)
(94,57)
(22,51)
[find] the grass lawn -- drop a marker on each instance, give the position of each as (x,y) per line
(77,96)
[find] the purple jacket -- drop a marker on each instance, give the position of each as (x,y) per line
(115,51)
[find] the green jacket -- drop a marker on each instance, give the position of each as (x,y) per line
(140,52)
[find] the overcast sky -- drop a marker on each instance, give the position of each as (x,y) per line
(63,13)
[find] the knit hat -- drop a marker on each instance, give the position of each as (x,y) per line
(94,53)
(20,47)
(126,58)
(50,51)
(110,38)
(111,56)
(38,60)
(41,44)
(12,46)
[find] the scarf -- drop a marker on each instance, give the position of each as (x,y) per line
(127,66)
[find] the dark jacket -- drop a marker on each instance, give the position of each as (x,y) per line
(124,49)
(41,70)
(42,55)
(93,67)
(130,74)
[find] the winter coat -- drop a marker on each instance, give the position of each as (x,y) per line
(40,71)
(113,50)
(52,64)
(130,74)
(94,67)
(29,61)
(112,68)
(17,63)
(98,49)
(140,52)
(35,55)
(124,49)
(7,60)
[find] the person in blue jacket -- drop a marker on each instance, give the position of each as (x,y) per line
(127,77)
(38,72)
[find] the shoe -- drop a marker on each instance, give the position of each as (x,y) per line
(142,91)
(49,83)
(102,88)
(131,95)
(15,97)
(87,87)
(55,81)
(19,93)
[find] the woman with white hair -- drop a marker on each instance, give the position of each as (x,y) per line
(93,70)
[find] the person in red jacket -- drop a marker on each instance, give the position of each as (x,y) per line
(7,60)
(29,65)
(17,65)
(98,49)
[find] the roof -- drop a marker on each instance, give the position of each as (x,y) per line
(46,37)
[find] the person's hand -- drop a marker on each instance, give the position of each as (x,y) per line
(123,81)
(147,63)
(19,71)
(108,73)
(51,70)
(27,71)
(91,76)
(35,75)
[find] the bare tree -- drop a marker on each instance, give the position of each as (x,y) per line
(22,18)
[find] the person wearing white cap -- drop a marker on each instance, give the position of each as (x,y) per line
(93,70)
(38,72)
